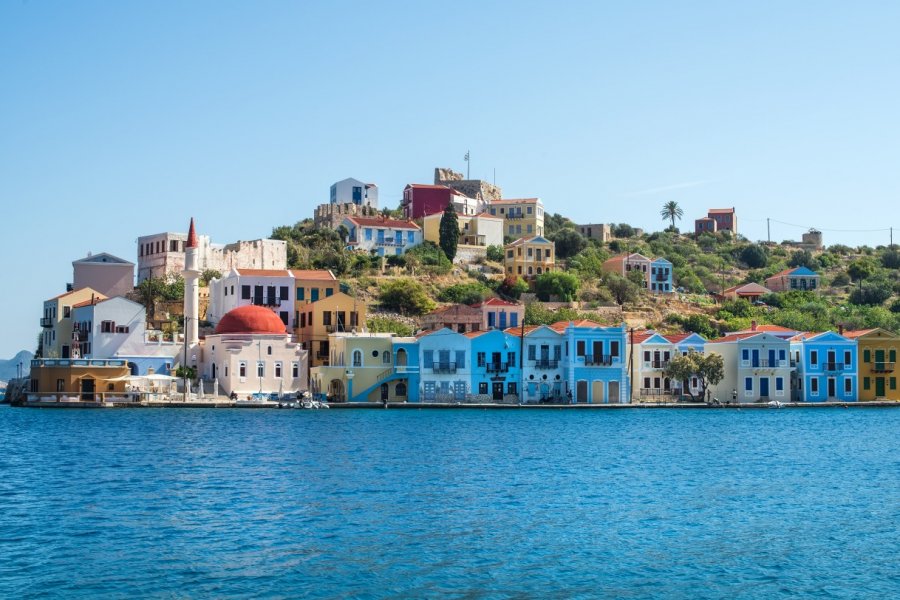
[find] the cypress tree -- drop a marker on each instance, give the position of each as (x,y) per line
(449,232)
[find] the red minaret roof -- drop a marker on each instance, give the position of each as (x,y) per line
(192,236)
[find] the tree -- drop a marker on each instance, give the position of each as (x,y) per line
(871,294)
(671,211)
(891,259)
(622,290)
(465,293)
(449,232)
(406,296)
(623,230)
(568,243)
(512,287)
(754,256)
(208,275)
(495,253)
(861,268)
(803,258)
(148,292)
(709,369)
(556,283)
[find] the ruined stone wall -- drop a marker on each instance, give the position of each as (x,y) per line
(331,215)
(473,188)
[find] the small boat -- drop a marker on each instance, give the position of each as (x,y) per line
(776,404)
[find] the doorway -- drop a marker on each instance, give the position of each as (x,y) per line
(497,390)
(87,389)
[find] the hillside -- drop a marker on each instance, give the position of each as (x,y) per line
(858,287)
(9,368)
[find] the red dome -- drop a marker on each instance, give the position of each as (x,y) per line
(251,319)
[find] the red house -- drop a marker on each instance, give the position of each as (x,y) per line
(421,200)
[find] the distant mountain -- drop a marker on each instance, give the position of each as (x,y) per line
(9,368)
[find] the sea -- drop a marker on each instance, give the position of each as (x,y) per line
(468,503)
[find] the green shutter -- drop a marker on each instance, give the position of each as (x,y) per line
(866,384)
(893,355)
(867,355)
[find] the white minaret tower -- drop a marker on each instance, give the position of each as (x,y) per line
(191,290)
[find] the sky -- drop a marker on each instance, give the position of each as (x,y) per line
(122,119)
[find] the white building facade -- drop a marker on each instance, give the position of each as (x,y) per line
(354,191)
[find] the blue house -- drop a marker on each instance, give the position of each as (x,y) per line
(597,363)
(660,276)
(544,370)
(445,366)
(495,372)
(826,368)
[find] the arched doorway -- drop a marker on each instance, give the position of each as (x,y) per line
(401,357)
(336,391)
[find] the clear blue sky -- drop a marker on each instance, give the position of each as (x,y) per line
(119,119)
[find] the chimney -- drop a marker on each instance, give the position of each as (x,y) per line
(753,325)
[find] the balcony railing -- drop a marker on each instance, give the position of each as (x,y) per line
(764,363)
(80,336)
(546,363)
(390,242)
(657,392)
(832,366)
(267,301)
(46,322)
(598,359)
(443,367)
(658,364)
(883,367)
(497,367)
(516,215)
(322,355)
(662,277)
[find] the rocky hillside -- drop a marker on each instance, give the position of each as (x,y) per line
(9,368)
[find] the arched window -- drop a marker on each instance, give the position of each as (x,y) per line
(400,390)
(357,358)
(386,357)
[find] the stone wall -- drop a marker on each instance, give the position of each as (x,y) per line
(469,254)
(473,188)
(331,215)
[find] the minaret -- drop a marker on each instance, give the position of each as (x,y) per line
(191,289)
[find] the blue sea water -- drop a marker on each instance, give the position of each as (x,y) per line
(456,503)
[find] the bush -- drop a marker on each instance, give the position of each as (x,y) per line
(405,296)
(840,280)
(754,256)
(891,259)
(861,268)
(495,253)
(465,293)
(556,283)
(621,289)
(803,258)
(512,287)
(430,257)
(568,243)
(388,325)
(871,294)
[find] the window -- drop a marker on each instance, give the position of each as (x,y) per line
(368,234)
(481,359)
(107,326)
(748,384)
(245,292)
(745,355)
(848,386)
(329,292)
(269,350)
(284,317)
(779,384)
(482,387)
(60,385)
(867,356)
(579,348)
(242,369)
(532,352)
(283,292)
(813,358)
(326,318)
(260,369)
(646,383)
(314,294)
(614,349)
(67,312)
(357,358)
(386,357)
(460,359)
(511,359)
(301,293)
(893,383)
(814,386)
(867,384)
(278,370)
(295,370)
(302,320)
(847,360)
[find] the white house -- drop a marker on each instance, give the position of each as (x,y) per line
(757,367)
(102,326)
(543,368)
(354,191)
(384,237)
(272,288)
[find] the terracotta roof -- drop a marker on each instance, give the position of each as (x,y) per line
(720,211)
(63,295)
(676,338)
(562,325)
(734,337)
(769,329)
(857,333)
(192,236)
(752,288)
(475,334)
(92,302)
(516,201)
(263,272)
(428,186)
(314,274)
(780,273)
(640,336)
(381,222)
(518,330)
(495,302)
(487,215)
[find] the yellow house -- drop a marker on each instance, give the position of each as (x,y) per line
(877,351)
(312,285)
(529,257)
(56,322)
(362,368)
(71,380)
(522,217)
(318,320)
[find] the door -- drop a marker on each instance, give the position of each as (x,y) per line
(598,393)
(879,362)
(879,386)
(65,352)
(832,358)
(763,387)
(581,391)
(497,390)
(384,392)
(598,353)
(502,320)
(614,392)
(755,358)
(772,362)
(87,389)
(832,388)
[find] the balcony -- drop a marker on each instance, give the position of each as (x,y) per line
(443,367)
(495,367)
(80,336)
(883,367)
(46,322)
(662,277)
(516,215)
(598,360)
(390,242)
(832,366)
(267,301)
(658,364)
(657,392)
(546,363)
(765,364)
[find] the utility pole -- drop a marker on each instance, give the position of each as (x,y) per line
(892,238)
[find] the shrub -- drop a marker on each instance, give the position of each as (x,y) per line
(382,324)
(465,293)
(556,283)
(495,253)
(406,296)
(754,256)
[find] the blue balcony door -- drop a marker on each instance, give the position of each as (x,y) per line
(755,358)
(502,320)
(772,362)
(764,387)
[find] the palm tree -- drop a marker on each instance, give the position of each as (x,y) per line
(671,210)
